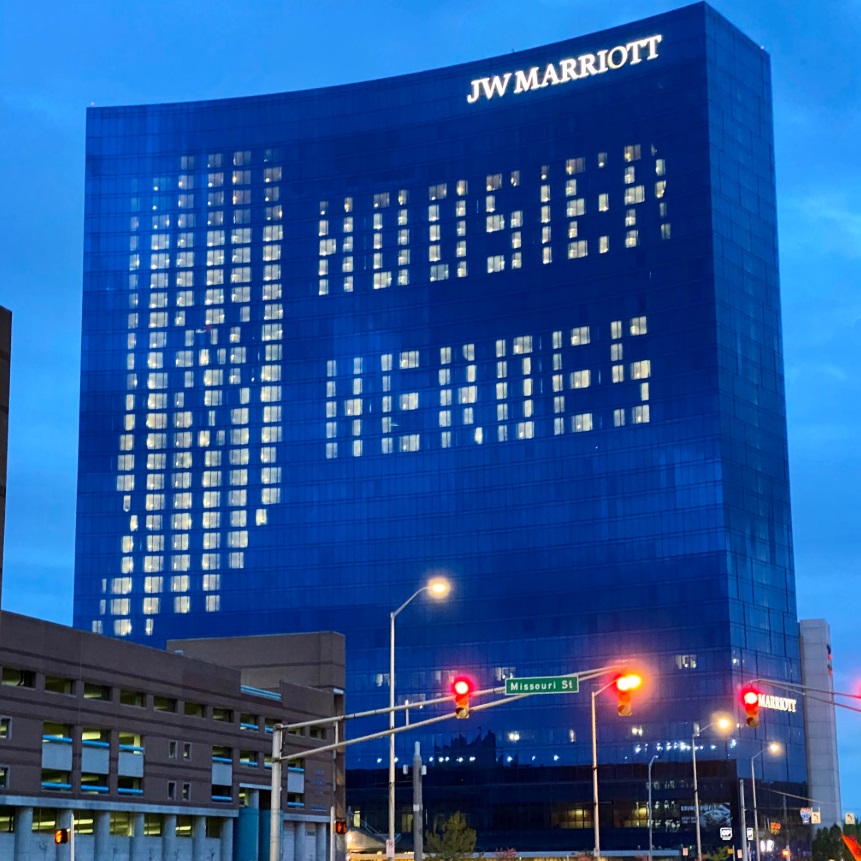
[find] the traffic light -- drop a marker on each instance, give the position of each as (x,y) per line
(625,684)
(750,700)
(462,689)
(340,826)
(61,835)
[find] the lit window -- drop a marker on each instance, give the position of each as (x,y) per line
(641,370)
(525,430)
(638,326)
(635,194)
(579,248)
(409,442)
(579,336)
(496,263)
(640,414)
(581,379)
(581,422)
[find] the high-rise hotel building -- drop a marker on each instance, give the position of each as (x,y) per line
(517,321)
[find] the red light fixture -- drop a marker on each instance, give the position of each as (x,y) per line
(625,684)
(462,688)
(750,701)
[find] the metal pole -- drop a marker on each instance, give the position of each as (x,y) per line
(743,820)
(332,835)
(275,796)
(696,794)
(418,808)
(390,843)
(651,845)
(72,838)
(595,783)
(755,813)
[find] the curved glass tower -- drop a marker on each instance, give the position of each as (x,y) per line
(515,321)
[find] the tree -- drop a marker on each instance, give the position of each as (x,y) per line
(455,843)
(828,845)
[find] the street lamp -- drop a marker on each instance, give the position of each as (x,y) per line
(774,748)
(721,723)
(624,684)
(438,588)
(651,763)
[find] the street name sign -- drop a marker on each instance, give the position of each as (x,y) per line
(543,685)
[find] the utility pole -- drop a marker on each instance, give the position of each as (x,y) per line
(743,818)
(418,807)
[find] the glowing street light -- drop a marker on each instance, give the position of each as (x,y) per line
(438,588)
(774,748)
(722,723)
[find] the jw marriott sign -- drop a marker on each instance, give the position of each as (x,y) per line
(565,71)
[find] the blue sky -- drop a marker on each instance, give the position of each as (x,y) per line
(56,58)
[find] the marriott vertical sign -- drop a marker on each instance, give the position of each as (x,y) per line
(565,71)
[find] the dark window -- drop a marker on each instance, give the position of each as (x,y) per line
(132,698)
(195,710)
(57,781)
(92,691)
(129,786)
(58,685)
(18,678)
(122,823)
(164,704)
(225,715)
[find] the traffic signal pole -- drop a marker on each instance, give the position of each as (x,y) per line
(278,739)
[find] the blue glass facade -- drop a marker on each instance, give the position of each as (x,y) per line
(517,321)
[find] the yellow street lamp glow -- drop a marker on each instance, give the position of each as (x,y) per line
(439,587)
(774,747)
(723,723)
(629,682)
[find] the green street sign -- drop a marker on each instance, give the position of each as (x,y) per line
(543,685)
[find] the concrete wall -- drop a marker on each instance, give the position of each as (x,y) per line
(823,769)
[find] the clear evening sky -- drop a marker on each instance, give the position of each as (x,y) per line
(56,58)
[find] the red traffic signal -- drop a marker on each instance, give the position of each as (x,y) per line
(340,826)
(750,701)
(61,835)
(625,684)
(462,688)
